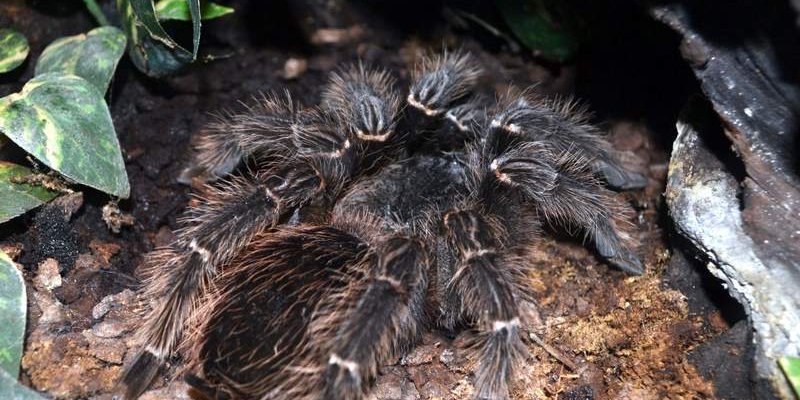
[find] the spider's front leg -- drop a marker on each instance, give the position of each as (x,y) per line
(563,190)
(563,126)
(442,105)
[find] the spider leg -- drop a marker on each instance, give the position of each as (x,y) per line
(263,129)
(257,320)
(324,157)
(228,218)
(442,110)
(564,191)
(385,318)
(484,287)
(463,123)
(365,101)
(262,341)
(442,80)
(564,126)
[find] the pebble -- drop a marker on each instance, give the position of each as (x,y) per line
(108,350)
(422,354)
(47,276)
(109,329)
(177,390)
(112,301)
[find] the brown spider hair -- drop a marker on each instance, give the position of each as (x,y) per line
(348,239)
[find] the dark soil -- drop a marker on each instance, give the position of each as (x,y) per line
(671,333)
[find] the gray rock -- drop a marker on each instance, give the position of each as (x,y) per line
(703,201)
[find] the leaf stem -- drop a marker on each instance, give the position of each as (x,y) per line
(96,12)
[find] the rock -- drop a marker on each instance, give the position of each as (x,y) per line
(423,354)
(108,350)
(13,250)
(742,210)
(47,276)
(62,365)
(337,36)
(455,361)
(177,390)
(51,310)
(112,301)
(69,204)
(703,201)
(109,329)
(88,262)
(394,384)
(104,250)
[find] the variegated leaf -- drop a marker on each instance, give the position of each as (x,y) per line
(791,367)
(179,10)
(63,121)
(152,50)
(17,198)
(12,315)
(10,389)
(92,56)
(13,49)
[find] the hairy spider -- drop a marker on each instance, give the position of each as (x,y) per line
(366,222)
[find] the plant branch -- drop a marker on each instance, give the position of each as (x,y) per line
(96,12)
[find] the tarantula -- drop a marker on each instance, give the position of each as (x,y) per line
(364,221)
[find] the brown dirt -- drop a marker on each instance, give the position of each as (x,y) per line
(626,337)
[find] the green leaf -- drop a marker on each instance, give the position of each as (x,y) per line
(63,121)
(92,56)
(97,12)
(12,390)
(12,315)
(18,198)
(548,27)
(152,50)
(179,10)
(194,10)
(13,307)
(13,49)
(791,368)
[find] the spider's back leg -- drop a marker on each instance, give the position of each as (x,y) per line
(483,287)
(263,131)
(225,221)
(312,312)
(258,317)
(386,318)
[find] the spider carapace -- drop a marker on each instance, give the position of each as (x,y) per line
(364,221)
